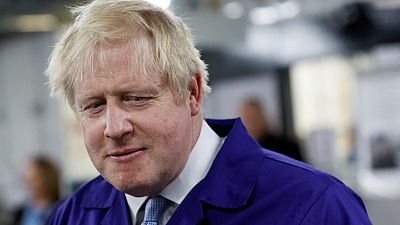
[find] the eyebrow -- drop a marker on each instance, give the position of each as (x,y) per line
(153,90)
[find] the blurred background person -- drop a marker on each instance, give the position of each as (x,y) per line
(256,122)
(42,184)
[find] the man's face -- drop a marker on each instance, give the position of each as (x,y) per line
(35,183)
(136,134)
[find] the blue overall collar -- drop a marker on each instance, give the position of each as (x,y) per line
(231,179)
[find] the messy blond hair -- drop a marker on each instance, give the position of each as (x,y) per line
(159,41)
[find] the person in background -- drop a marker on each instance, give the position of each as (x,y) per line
(136,83)
(257,124)
(42,183)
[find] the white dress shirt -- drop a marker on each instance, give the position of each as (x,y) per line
(197,166)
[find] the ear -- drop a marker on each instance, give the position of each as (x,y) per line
(195,95)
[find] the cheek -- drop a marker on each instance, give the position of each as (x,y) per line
(169,120)
(178,137)
(175,128)
(172,129)
(92,133)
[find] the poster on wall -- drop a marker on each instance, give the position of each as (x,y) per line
(378,128)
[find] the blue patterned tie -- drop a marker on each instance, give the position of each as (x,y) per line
(155,208)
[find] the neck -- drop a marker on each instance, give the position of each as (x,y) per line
(196,128)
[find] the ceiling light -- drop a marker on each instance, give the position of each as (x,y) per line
(160,3)
(274,13)
(29,23)
(233,10)
(264,15)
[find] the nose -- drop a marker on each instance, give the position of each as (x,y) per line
(117,123)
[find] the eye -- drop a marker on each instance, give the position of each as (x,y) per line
(135,99)
(93,107)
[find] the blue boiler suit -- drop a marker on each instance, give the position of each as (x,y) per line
(246,184)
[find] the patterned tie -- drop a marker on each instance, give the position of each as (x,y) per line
(155,208)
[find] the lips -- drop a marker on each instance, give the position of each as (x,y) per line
(126,154)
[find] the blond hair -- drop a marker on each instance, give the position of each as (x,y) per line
(159,40)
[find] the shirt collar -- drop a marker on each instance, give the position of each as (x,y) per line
(197,166)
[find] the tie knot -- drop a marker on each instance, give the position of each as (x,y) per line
(154,209)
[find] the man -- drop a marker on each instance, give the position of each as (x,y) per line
(130,72)
(43,191)
(257,124)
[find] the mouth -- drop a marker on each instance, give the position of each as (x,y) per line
(126,155)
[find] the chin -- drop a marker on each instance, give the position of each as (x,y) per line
(139,191)
(131,187)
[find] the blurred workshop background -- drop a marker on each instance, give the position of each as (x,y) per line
(327,73)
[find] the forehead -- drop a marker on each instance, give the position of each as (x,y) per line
(119,65)
(133,57)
